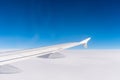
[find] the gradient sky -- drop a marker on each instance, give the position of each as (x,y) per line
(34,23)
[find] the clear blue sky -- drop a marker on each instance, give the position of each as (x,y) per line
(34,23)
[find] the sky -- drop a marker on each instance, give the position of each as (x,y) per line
(37,23)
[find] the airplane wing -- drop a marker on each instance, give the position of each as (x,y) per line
(14,56)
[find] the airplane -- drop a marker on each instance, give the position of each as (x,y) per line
(18,55)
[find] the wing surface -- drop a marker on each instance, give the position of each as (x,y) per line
(14,56)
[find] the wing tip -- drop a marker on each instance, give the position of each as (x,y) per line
(85,42)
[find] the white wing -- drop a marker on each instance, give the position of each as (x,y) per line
(14,56)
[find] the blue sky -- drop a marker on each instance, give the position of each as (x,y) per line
(34,23)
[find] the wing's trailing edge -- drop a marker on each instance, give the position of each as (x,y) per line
(15,56)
